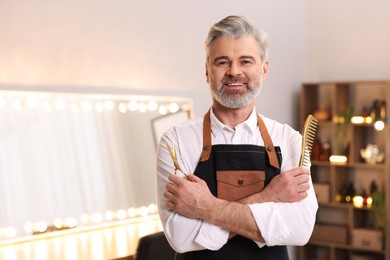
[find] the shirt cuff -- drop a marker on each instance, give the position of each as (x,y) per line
(211,236)
(260,244)
(270,223)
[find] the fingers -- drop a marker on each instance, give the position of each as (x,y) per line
(301,179)
(172,199)
(304,187)
(170,205)
(173,178)
(193,178)
(300,171)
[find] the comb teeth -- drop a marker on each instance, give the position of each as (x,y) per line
(308,134)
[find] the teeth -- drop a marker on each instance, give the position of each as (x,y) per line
(235,84)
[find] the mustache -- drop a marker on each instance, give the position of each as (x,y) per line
(230,80)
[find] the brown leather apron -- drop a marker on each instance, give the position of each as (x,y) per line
(232,167)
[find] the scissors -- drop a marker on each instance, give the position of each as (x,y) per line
(172,153)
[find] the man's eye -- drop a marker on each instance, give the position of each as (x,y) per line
(222,63)
(246,62)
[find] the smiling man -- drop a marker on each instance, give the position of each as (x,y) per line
(246,198)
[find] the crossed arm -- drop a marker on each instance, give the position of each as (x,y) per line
(192,198)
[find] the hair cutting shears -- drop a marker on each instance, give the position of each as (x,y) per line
(172,153)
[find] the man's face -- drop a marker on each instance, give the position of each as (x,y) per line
(234,71)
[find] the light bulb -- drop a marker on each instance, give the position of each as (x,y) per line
(122,107)
(173,108)
(379,125)
(152,105)
(162,110)
(132,105)
(109,105)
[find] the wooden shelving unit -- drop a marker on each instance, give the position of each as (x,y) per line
(344,231)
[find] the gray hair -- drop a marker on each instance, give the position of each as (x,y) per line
(236,27)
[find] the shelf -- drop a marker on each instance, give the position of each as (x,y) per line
(360,165)
(347,99)
(344,246)
(337,205)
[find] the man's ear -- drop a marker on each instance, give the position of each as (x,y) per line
(264,68)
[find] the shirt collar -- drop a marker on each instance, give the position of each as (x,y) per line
(217,126)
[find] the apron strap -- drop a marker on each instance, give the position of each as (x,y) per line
(206,150)
(269,146)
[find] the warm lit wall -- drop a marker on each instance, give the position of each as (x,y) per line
(156,46)
(153,46)
(349,40)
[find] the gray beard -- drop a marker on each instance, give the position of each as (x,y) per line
(235,100)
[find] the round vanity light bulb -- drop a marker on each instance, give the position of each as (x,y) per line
(28,227)
(10,232)
(142,107)
(132,105)
(173,107)
(144,211)
(74,108)
(152,105)
(58,223)
(109,105)
(162,110)
(97,217)
(18,105)
(41,226)
(109,215)
(86,105)
(152,208)
(46,106)
(84,218)
(121,214)
(70,222)
(132,212)
(122,108)
(99,107)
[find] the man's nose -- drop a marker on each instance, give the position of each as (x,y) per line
(234,70)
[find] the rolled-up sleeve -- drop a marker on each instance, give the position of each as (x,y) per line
(287,223)
(183,234)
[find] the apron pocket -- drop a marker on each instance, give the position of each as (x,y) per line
(235,185)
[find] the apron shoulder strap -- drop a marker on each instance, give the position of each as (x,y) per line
(269,146)
(206,149)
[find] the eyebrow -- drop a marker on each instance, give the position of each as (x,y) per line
(241,57)
(248,57)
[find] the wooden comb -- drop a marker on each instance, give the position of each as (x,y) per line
(308,134)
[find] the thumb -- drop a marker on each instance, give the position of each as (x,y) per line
(193,178)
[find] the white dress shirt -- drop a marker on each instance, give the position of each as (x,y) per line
(279,223)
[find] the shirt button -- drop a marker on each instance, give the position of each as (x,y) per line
(240,181)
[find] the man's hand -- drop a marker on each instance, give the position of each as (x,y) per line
(193,198)
(289,186)
(190,197)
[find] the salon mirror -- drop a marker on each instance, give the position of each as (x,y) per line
(74,159)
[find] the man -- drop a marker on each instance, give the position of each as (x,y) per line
(247,198)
